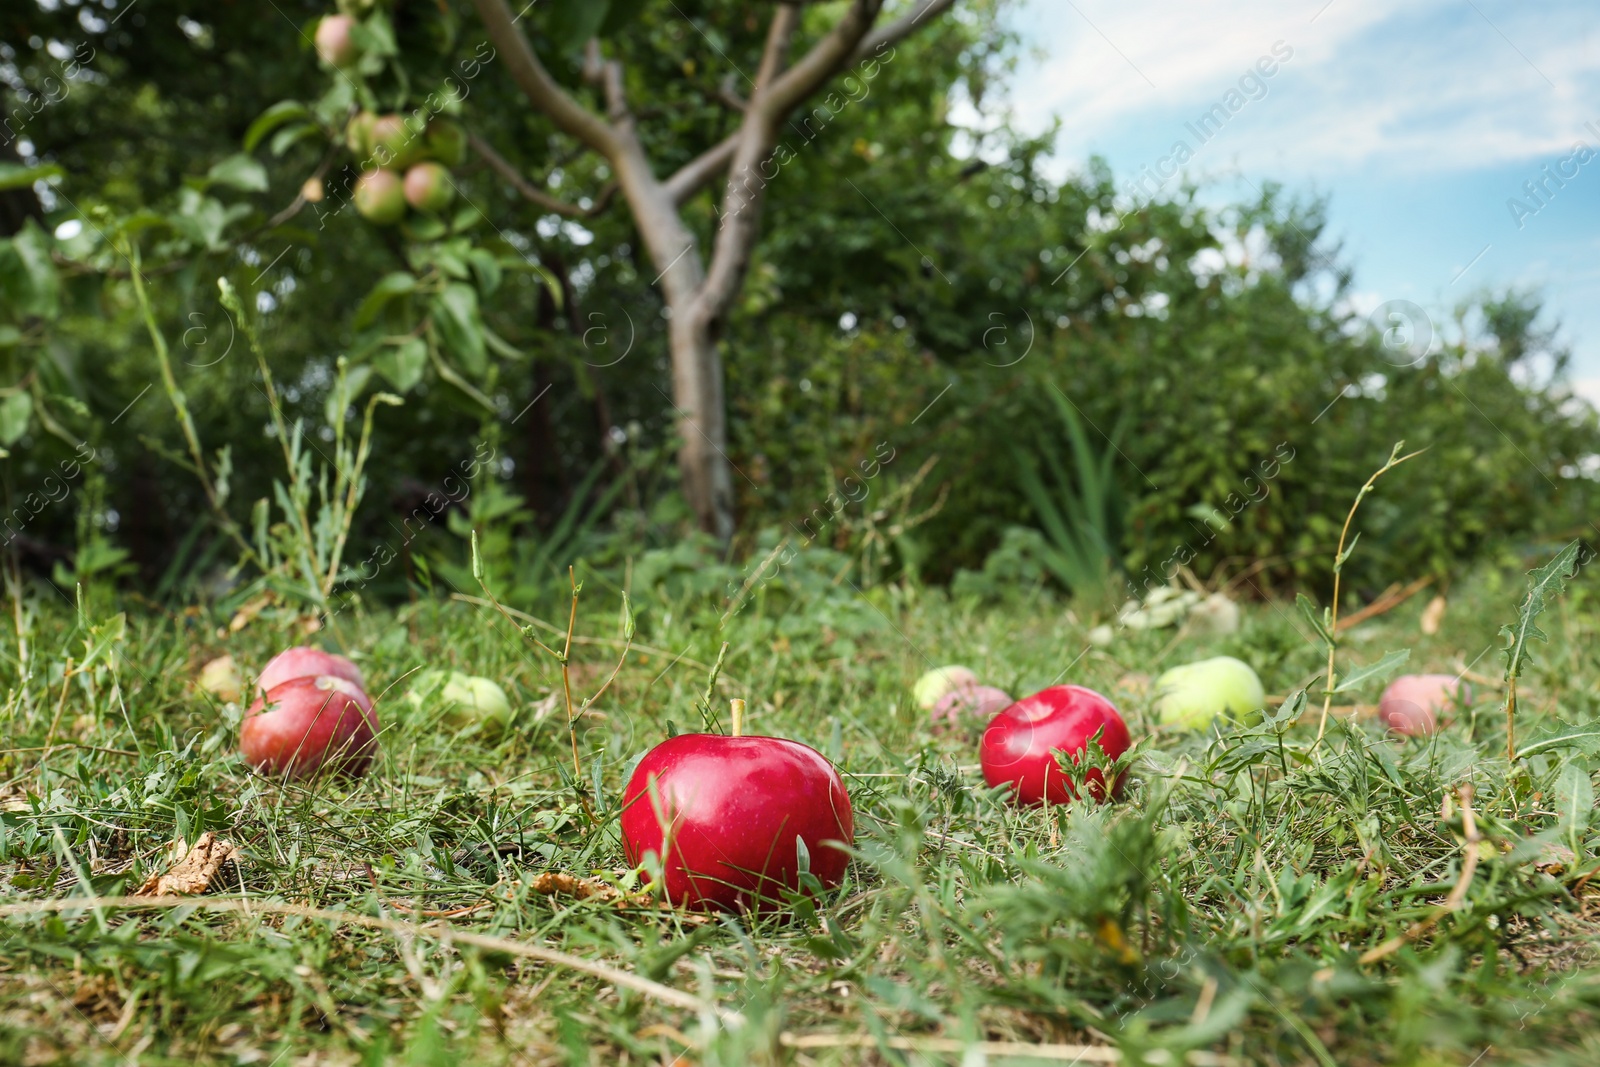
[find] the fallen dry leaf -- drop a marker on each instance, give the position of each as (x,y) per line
(13,798)
(1555,859)
(245,615)
(570,885)
(556,883)
(1433,615)
(193,873)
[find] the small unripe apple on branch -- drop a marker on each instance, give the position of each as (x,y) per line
(335,41)
(380,197)
(429,188)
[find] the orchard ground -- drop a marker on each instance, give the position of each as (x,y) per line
(1219,914)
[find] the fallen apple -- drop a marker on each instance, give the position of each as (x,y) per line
(380,197)
(726,818)
(303,661)
(220,678)
(429,188)
(1415,704)
(939,681)
(310,726)
(968,703)
(336,44)
(1192,695)
(464,699)
(1020,746)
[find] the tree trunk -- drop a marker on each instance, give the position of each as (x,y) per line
(698,299)
(703,461)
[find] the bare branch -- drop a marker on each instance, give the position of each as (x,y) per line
(528,191)
(729,96)
(826,56)
(695,174)
(616,100)
(902,27)
(701,170)
(537,85)
(777,91)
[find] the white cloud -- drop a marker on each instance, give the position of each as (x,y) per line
(1432,86)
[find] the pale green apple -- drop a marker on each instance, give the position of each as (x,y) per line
(939,681)
(1192,695)
(462,699)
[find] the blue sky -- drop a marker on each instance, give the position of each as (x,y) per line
(1419,120)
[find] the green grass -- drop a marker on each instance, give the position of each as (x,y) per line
(1218,913)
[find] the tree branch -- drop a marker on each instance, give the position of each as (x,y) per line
(698,172)
(818,65)
(777,92)
(901,28)
(537,85)
(528,191)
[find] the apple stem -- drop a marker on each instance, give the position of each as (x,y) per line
(738,716)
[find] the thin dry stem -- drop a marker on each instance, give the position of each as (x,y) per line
(566,680)
(441,931)
(1338,568)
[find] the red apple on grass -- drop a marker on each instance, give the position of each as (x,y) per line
(1414,704)
(310,726)
(1019,748)
(303,661)
(722,815)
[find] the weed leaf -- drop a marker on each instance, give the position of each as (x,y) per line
(1391,662)
(1543,582)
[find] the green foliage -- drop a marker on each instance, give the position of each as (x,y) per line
(1080,508)
(1543,582)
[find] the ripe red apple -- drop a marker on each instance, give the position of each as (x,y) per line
(379,197)
(309,726)
(429,188)
(303,661)
(1414,703)
(335,45)
(723,813)
(968,703)
(395,146)
(1020,745)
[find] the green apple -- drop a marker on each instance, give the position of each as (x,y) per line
(462,699)
(429,188)
(1192,695)
(446,141)
(380,197)
(939,681)
(395,145)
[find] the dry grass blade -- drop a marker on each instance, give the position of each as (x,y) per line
(441,931)
(1469,867)
(1008,1049)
